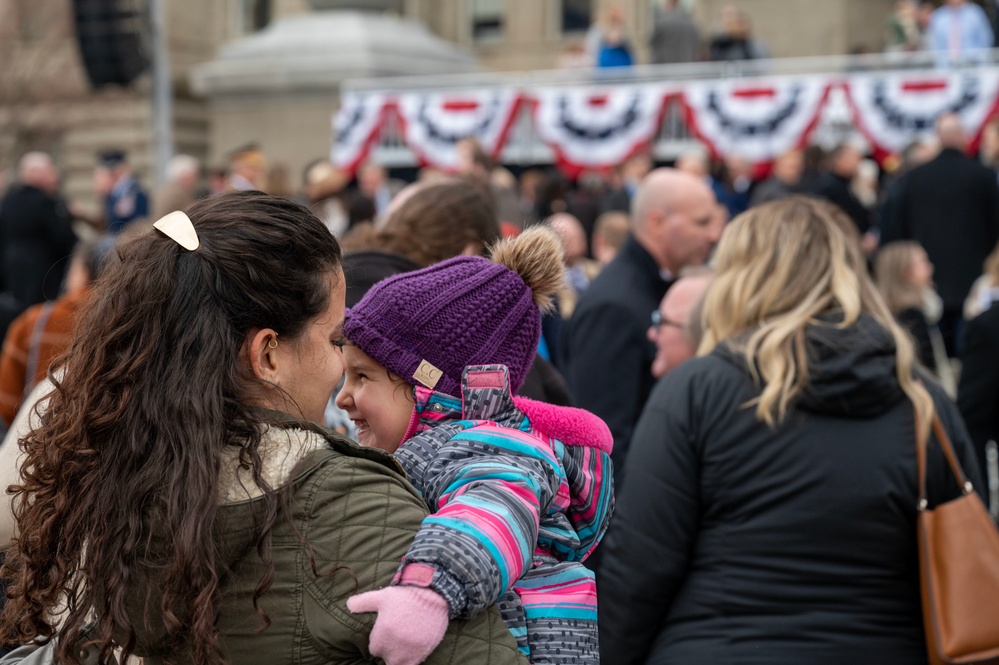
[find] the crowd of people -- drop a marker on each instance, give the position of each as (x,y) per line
(746,364)
(956,31)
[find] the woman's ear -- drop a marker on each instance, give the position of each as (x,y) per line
(261,347)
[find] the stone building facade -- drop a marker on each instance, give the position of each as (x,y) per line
(46,103)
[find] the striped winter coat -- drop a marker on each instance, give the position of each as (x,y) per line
(521,494)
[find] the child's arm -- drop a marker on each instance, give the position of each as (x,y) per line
(489,486)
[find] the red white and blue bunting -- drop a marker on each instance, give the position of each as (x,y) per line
(355,127)
(433,123)
(758,119)
(598,127)
(893,109)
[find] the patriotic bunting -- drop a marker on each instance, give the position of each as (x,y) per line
(433,123)
(597,128)
(355,128)
(758,119)
(893,109)
(600,126)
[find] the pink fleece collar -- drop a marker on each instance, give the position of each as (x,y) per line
(573,427)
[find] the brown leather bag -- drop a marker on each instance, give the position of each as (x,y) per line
(959,569)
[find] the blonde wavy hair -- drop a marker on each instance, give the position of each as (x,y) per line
(891,274)
(781,266)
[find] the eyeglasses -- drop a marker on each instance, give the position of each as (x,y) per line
(658,320)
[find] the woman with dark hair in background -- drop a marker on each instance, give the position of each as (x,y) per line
(178,491)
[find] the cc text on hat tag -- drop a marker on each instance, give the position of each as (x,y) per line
(428,375)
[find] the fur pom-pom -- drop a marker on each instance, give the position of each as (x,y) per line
(536,255)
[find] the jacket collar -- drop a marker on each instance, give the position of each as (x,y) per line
(633,252)
(485,395)
(950,153)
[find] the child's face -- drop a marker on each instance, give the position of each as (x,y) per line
(380,405)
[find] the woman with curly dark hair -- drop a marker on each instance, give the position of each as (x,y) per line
(177,496)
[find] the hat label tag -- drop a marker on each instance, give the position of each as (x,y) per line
(428,375)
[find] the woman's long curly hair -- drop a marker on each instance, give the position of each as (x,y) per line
(130,446)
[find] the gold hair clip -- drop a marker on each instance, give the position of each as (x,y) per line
(178,227)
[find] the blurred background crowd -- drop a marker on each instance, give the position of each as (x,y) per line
(251,86)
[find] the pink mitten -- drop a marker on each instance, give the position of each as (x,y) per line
(411,622)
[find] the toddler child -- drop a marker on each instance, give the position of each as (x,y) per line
(520,491)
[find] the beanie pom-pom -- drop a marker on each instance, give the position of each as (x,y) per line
(536,255)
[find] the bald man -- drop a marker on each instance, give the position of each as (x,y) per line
(950,206)
(36,233)
(607,355)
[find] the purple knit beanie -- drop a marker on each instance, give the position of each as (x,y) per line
(427,326)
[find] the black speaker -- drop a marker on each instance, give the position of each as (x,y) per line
(114,39)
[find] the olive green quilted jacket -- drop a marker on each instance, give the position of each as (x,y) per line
(355,510)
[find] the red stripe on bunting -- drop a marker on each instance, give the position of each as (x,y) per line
(924,86)
(754,93)
(460,105)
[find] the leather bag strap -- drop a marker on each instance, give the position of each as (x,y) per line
(948,450)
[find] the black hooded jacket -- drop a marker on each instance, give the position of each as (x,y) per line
(737,543)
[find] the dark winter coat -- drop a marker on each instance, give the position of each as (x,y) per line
(36,239)
(836,189)
(737,543)
(914,321)
(607,356)
(950,206)
(978,390)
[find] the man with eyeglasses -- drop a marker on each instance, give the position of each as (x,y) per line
(676,327)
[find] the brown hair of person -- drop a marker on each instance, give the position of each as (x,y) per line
(131,446)
(441,220)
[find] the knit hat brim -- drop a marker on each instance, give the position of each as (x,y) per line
(391,353)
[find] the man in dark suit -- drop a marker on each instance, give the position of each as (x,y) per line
(36,233)
(950,206)
(978,392)
(606,355)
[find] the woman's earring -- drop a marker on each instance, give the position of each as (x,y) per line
(272,344)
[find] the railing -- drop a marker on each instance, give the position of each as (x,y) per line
(523,146)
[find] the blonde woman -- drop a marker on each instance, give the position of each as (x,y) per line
(904,276)
(769,514)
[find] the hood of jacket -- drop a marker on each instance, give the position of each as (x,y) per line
(851,370)
(580,441)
